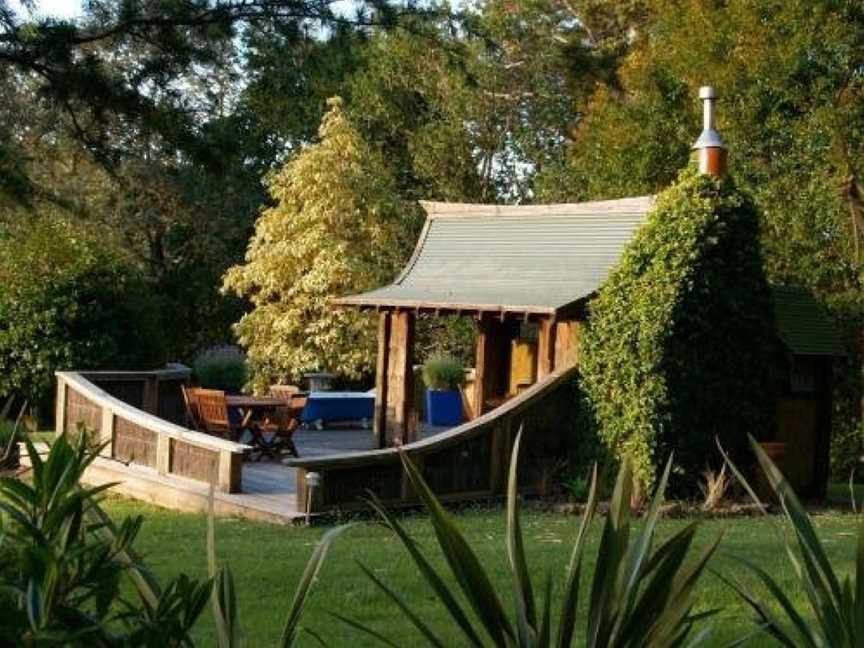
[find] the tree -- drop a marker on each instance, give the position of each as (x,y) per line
(70,299)
(127,68)
(336,227)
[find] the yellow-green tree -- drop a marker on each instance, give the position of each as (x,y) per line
(335,228)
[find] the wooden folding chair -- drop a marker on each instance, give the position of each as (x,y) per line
(284,392)
(193,419)
(213,412)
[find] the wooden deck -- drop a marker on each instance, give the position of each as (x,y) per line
(272,486)
(269,488)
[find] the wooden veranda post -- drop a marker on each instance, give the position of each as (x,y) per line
(380,420)
(400,378)
(546,348)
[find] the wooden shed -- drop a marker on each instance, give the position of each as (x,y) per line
(523,273)
(809,344)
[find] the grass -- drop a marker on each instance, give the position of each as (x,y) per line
(839,493)
(267,561)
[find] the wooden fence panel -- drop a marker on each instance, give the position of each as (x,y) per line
(134,443)
(80,409)
(193,462)
(139,437)
(462,468)
(347,488)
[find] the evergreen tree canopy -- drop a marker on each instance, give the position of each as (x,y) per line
(70,298)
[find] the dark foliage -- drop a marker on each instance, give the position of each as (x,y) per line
(68,301)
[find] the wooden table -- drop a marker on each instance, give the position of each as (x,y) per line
(255,411)
(251,404)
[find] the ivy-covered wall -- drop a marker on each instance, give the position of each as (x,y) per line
(679,344)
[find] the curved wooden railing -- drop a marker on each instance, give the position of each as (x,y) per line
(139,437)
(468,462)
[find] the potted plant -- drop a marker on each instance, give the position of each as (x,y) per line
(443,377)
(10,454)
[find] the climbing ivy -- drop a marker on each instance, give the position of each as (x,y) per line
(679,342)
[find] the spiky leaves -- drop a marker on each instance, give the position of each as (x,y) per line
(640,596)
(836,604)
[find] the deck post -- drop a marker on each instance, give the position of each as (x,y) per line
(480,370)
(230,471)
(499,457)
(379,425)
(400,378)
(546,348)
(60,407)
(107,432)
(163,454)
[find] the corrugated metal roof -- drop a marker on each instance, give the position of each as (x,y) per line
(803,323)
(536,258)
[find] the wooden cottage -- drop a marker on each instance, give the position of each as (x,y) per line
(523,273)
(526,273)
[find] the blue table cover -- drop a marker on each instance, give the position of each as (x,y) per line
(338,406)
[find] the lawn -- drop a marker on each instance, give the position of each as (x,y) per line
(267,560)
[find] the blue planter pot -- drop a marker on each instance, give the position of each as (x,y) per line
(443,407)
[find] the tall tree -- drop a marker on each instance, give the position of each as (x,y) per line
(127,68)
(335,228)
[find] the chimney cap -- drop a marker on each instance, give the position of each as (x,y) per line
(707,92)
(709,138)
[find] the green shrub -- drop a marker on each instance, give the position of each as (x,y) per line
(223,369)
(679,344)
(577,487)
(454,337)
(443,372)
(846,443)
(69,300)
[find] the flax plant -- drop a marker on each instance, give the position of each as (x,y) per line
(836,604)
(640,595)
(62,561)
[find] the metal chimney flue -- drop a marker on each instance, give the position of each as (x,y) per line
(710,148)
